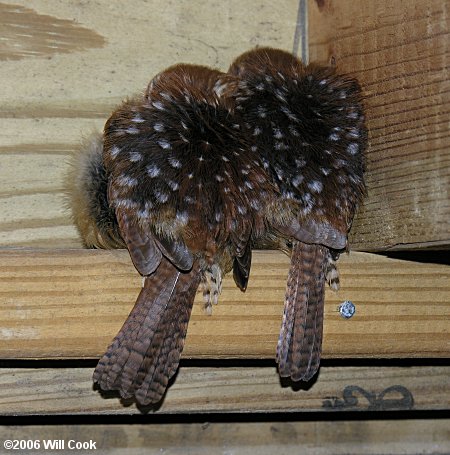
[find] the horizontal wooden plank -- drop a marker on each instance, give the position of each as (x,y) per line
(347,437)
(399,52)
(70,303)
(45,391)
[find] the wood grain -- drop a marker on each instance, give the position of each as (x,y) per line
(26,33)
(46,391)
(346,437)
(399,52)
(70,304)
(66,65)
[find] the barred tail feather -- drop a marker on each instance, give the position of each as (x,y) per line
(300,342)
(146,351)
(160,365)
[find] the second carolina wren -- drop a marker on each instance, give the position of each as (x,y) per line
(86,190)
(307,125)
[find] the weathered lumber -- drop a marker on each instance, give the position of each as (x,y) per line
(399,52)
(355,437)
(47,391)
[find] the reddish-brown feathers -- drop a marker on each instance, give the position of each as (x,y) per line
(201,167)
(307,125)
(188,197)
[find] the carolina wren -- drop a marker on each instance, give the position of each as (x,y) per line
(188,198)
(86,191)
(307,125)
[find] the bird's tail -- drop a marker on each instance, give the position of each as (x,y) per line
(300,342)
(146,352)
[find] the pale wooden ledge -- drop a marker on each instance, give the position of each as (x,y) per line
(28,391)
(70,304)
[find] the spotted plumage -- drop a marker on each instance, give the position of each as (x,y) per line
(307,125)
(202,163)
(185,211)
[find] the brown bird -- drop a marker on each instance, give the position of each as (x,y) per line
(307,125)
(188,196)
(86,195)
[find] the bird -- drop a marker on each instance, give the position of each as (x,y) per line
(187,197)
(307,124)
(85,188)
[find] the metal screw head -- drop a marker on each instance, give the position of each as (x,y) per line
(347,309)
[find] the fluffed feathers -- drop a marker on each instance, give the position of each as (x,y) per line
(307,124)
(86,193)
(178,166)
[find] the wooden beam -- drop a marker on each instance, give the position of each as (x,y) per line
(46,391)
(399,52)
(70,304)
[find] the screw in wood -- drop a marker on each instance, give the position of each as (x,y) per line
(347,309)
